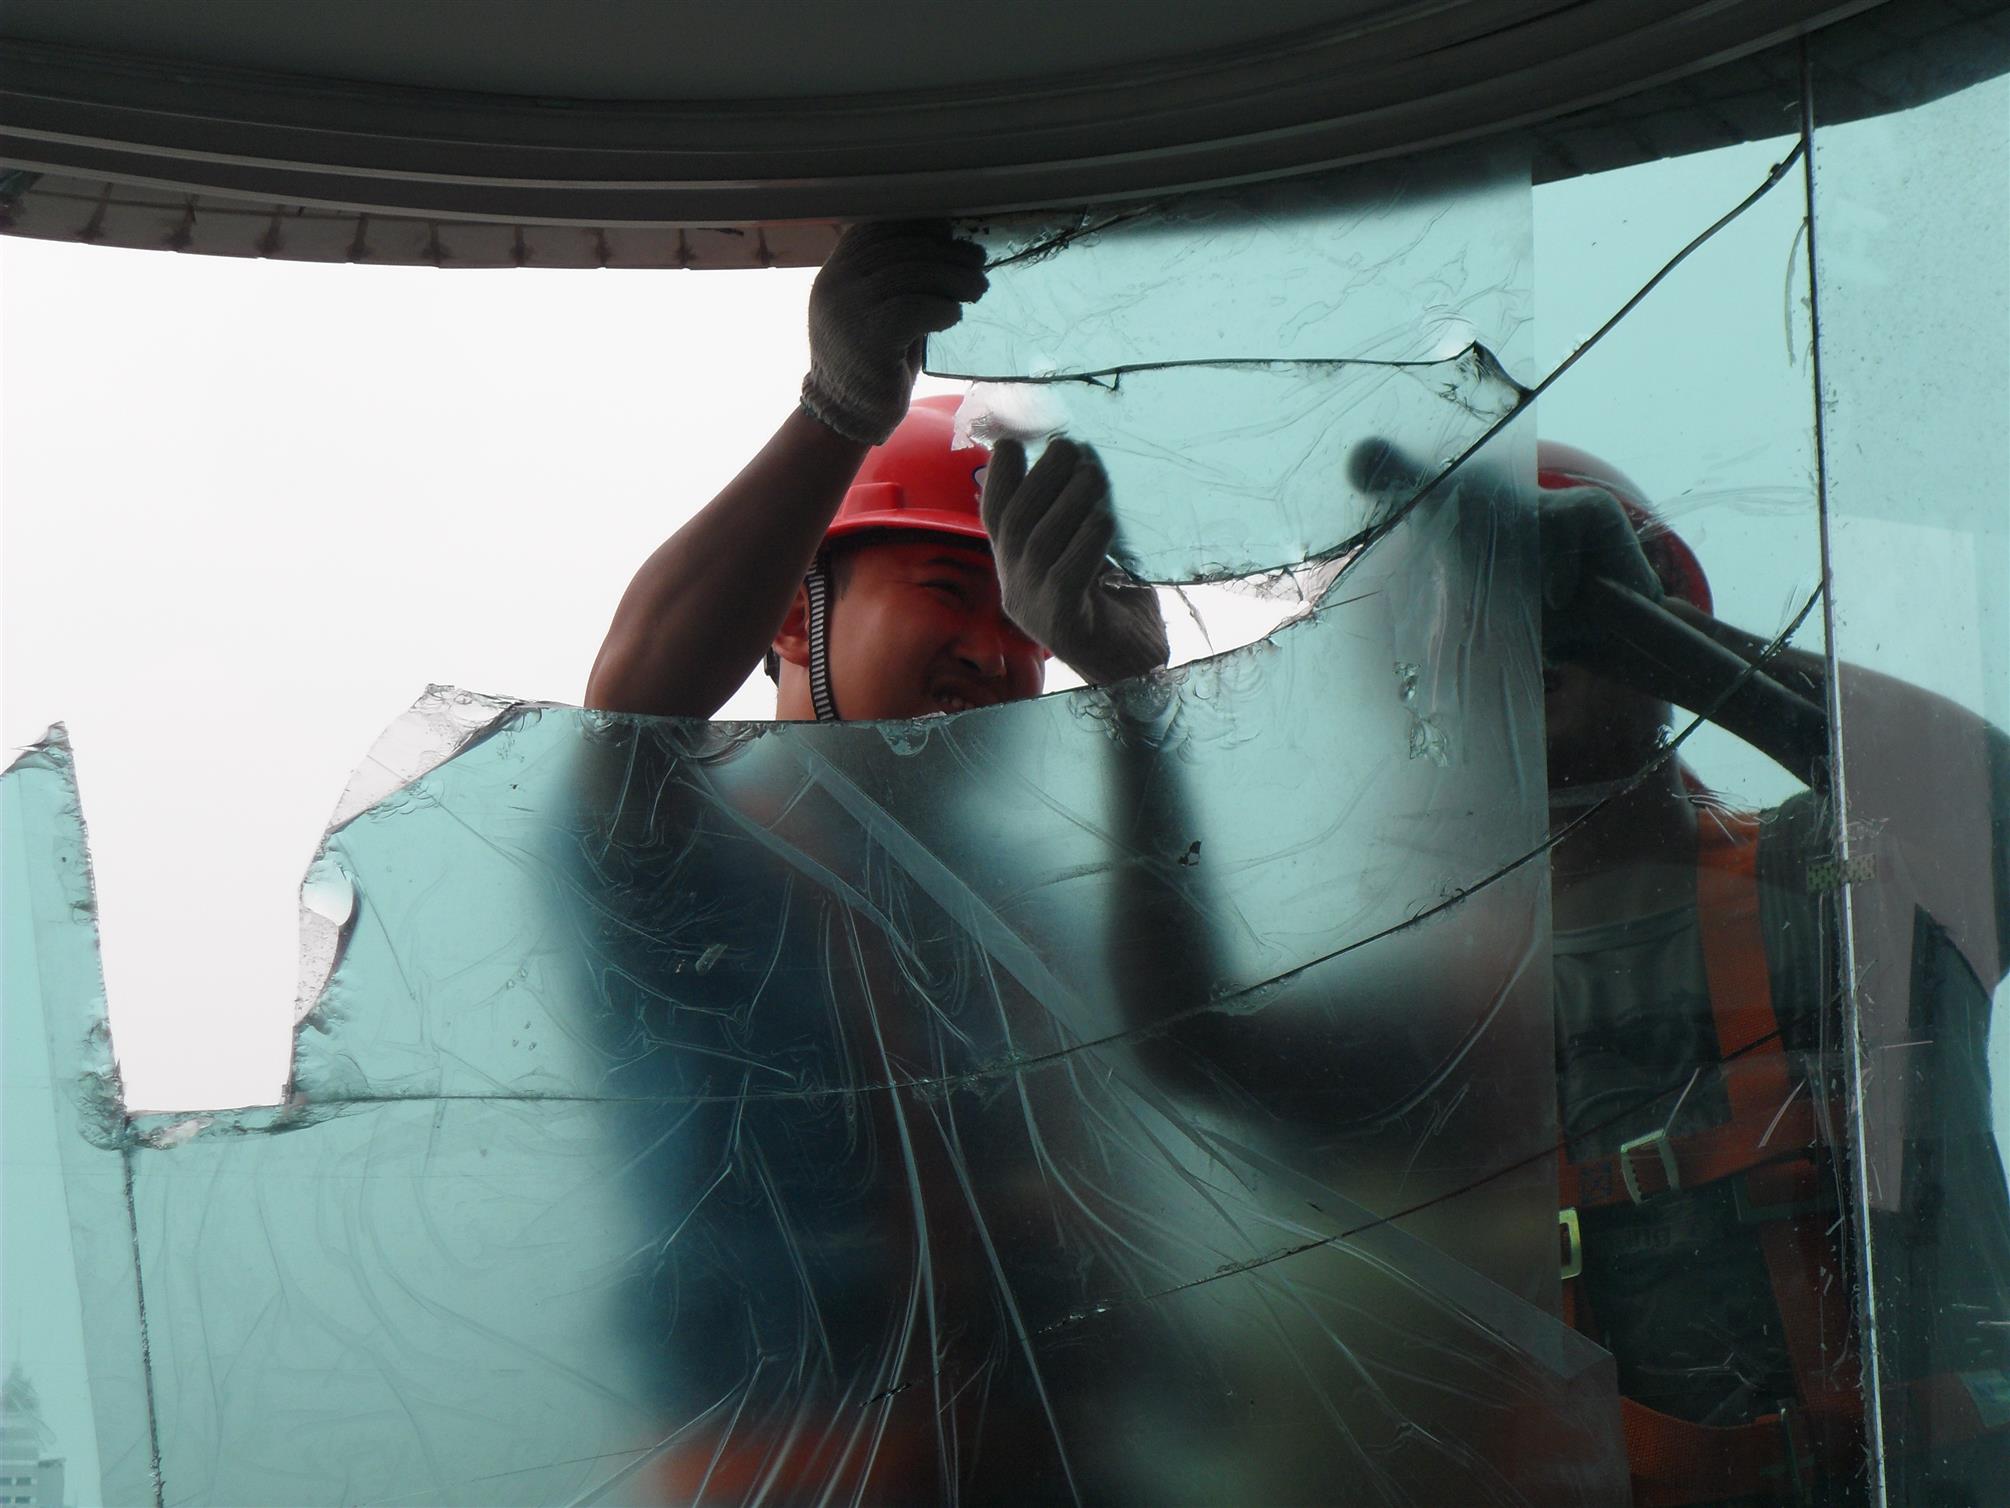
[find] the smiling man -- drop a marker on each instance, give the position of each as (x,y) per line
(907,564)
(881,572)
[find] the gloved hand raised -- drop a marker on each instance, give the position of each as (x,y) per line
(872,306)
(1582,532)
(1050,538)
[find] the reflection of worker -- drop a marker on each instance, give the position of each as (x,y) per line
(1698,1038)
(864,573)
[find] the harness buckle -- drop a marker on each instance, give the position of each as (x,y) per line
(1572,1234)
(1671,1175)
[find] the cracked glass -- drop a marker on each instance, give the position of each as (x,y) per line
(1521,1032)
(1393,302)
(1912,255)
(696,1110)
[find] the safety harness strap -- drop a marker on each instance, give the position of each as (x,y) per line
(1734,965)
(1808,1287)
(1774,1125)
(1769,1137)
(1653,1165)
(1675,1464)
(1812,1297)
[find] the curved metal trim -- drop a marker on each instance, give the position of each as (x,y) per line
(1303,104)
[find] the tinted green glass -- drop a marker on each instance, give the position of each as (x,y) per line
(67,1275)
(1912,219)
(881,1103)
(1224,352)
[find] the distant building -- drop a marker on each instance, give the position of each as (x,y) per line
(31,1475)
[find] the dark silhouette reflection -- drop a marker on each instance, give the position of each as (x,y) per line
(1703,1053)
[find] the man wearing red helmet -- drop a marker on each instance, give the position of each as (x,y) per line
(1700,1047)
(879,571)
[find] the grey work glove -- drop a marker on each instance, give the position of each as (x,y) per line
(872,307)
(1051,531)
(1582,532)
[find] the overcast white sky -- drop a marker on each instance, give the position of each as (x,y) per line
(252,508)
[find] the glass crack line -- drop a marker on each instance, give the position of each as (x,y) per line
(1477,352)
(1359,545)
(1854,1073)
(1040,250)
(1666,753)
(1235,1269)
(154,1467)
(1771,651)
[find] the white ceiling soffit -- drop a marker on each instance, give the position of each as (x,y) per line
(632,132)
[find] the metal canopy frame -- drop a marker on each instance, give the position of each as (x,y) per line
(187,155)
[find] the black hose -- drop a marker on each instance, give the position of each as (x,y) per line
(1633,640)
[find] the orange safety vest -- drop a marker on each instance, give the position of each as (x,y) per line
(1772,1140)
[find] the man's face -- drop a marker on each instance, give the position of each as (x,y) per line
(919,629)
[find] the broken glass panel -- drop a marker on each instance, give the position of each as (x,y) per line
(1109,1097)
(1912,252)
(68,1300)
(1390,262)
(1242,467)
(1224,351)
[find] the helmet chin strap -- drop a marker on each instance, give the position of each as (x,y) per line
(818,584)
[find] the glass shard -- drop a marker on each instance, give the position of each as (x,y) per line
(1224,351)
(76,1376)
(1390,262)
(1228,470)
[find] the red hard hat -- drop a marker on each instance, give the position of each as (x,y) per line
(1558,466)
(916,481)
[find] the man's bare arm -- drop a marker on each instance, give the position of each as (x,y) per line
(703,609)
